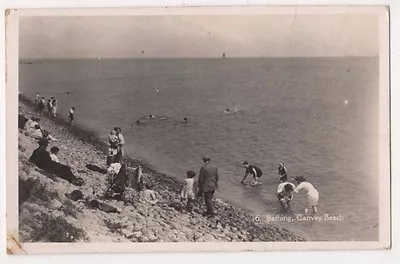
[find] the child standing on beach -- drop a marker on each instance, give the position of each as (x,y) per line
(71,115)
(187,191)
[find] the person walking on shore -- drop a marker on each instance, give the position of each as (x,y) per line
(312,193)
(71,115)
(187,191)
(112,147)
(208,184)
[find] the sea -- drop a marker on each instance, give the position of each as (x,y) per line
(317,115)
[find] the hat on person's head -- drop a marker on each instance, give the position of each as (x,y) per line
(205,159)
(190,174)
(43,142)
(245,163)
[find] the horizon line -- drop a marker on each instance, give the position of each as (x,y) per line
(224,58)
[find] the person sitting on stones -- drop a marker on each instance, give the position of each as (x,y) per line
(46,135)
(187,191)
(54,151)
(35,132)
(31,123)
(147,195)
(41,158)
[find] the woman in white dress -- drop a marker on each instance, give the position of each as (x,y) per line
(312,193)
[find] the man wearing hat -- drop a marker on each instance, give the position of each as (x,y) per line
(208,183)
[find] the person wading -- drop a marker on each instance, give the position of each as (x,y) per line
(208,184)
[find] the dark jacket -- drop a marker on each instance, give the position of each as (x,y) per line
(208,178)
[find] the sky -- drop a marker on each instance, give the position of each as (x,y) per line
(307,35)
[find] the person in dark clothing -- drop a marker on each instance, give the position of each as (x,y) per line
(42,159)
(282,171)
(252,169)
(208,184)
(41,104)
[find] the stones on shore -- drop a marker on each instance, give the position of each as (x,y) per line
(107,220)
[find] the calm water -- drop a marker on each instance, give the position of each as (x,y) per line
(319,116)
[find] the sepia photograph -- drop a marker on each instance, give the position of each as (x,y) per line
(198,129)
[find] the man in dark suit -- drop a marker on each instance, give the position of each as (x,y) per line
(208,183)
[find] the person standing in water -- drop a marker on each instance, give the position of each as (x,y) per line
(71,115)
(282,171)
(312,193)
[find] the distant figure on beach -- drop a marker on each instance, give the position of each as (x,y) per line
(41,104)
(71,115)
(208,184)
(53,154)
(50,105)
(37,99)
(112,147)
(121,142)
(54,108)
(254,170)
(284,193)
(312,193)
(187,192)
(282,172)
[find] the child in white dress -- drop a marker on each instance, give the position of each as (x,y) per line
(188,192)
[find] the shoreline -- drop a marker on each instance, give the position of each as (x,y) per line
(168,220)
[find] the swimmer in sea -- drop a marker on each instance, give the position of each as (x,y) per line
(227,111)
(184,120)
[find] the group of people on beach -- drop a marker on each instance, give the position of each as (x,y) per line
(45,160)
(51,106)
(208,184)
(286,189)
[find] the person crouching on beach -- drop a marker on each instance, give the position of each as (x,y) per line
(284,193)
(71,115)
(208,184)
(187,191)
(312,193)
(113,147)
